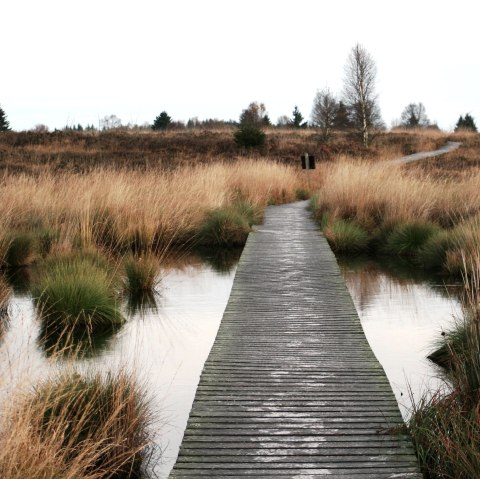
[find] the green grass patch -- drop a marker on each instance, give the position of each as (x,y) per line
(346,237)
(446,435)
(75,292)
(302,194)
(229,226)
(141,274)
(408,239)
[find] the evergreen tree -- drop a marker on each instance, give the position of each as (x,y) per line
(4,124)
(466,123)
(162,121)
(342,117)
(297,120)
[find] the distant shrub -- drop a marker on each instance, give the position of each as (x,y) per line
(250,136)
(162,121)
(346,237)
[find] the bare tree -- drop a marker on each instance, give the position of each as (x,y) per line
(109,122)
(324,112)
(414,116)
(359,91)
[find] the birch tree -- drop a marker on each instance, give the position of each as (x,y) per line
(359,91)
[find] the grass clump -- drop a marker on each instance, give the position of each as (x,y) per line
(141,274)
(302,194)
(76,427)
(140,280)
(229,226)
(346,237)
(407,239)
(446,428)
(75,292)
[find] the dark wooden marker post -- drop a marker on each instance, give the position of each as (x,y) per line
(308,163)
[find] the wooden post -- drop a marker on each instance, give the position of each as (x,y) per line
(307,169)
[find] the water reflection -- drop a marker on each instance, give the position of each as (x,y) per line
(402,312)
(20,280)
(142,303)
(222,260)
(165,342)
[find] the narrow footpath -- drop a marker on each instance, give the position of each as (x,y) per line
(447,148)
(291,388)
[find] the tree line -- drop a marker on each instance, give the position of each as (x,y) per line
(355,109)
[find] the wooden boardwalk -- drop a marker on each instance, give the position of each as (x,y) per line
(291,388)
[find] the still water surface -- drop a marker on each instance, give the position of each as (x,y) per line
(167,345)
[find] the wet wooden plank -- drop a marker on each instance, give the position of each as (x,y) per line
(291,387)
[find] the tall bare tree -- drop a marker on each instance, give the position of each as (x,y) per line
(415,116)
(359,91)
(324,111)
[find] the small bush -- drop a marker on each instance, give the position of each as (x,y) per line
(407,239)
(75,293)
(346,237)
(250,136)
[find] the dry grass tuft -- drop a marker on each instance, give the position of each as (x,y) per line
(76,427)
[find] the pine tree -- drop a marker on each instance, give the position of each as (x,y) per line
(4,124)
(162,122)
(297,121)
(466,123)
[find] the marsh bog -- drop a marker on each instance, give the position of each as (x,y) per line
(167,341)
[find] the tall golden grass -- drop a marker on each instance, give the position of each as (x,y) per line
(74,427)
(372,193)
(113,207)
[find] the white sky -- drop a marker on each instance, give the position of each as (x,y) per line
(65,62)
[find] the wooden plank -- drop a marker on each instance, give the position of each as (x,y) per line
(291,387)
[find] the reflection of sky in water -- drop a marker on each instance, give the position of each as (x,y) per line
(401,318)
(167,348)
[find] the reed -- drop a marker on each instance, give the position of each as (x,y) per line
(73,426)
(445,426)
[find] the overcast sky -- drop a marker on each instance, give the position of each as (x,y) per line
(65,62)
